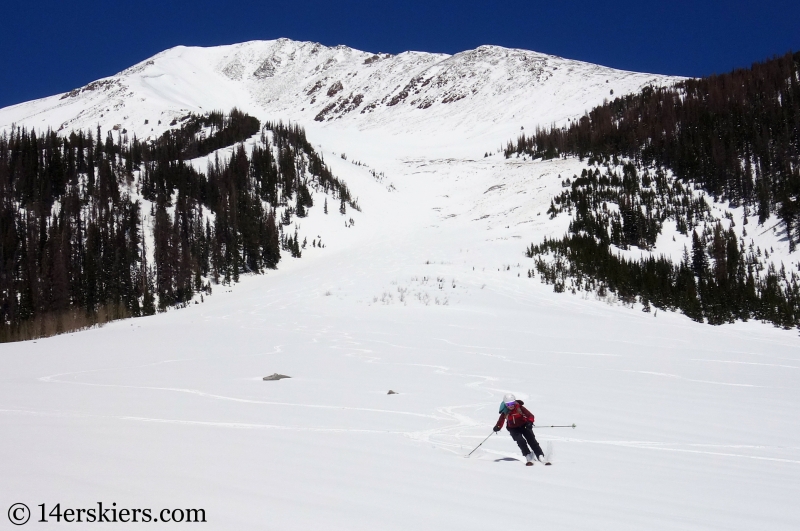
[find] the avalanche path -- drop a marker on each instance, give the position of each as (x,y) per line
(680,425)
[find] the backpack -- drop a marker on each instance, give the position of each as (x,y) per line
(504,409)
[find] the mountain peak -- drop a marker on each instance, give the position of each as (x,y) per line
(485,94)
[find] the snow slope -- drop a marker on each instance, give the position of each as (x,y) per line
(680,425)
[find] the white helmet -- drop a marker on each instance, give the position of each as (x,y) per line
(509,398)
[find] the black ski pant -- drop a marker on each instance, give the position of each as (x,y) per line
(523,434)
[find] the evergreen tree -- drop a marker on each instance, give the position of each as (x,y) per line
(86,261)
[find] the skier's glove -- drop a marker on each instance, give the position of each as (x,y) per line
(496,429)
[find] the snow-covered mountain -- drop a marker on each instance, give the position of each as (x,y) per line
(429,100)
(680,425)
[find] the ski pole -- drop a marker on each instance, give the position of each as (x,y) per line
(570,426)
(483,441)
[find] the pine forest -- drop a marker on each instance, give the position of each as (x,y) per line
(665,155)
(96,227)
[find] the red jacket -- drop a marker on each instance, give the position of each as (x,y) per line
(517,417)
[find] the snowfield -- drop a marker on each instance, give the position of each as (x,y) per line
(680,425)
(482,96)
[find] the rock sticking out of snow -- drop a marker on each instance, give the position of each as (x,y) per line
(392,392)
(275,376)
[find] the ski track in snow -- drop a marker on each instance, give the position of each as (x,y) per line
(425,436)
(51,379)
(448,437)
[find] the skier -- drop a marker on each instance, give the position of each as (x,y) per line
(519,425)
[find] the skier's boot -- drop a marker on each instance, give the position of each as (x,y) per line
(529,459)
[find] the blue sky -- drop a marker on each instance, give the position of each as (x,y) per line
(53,46)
